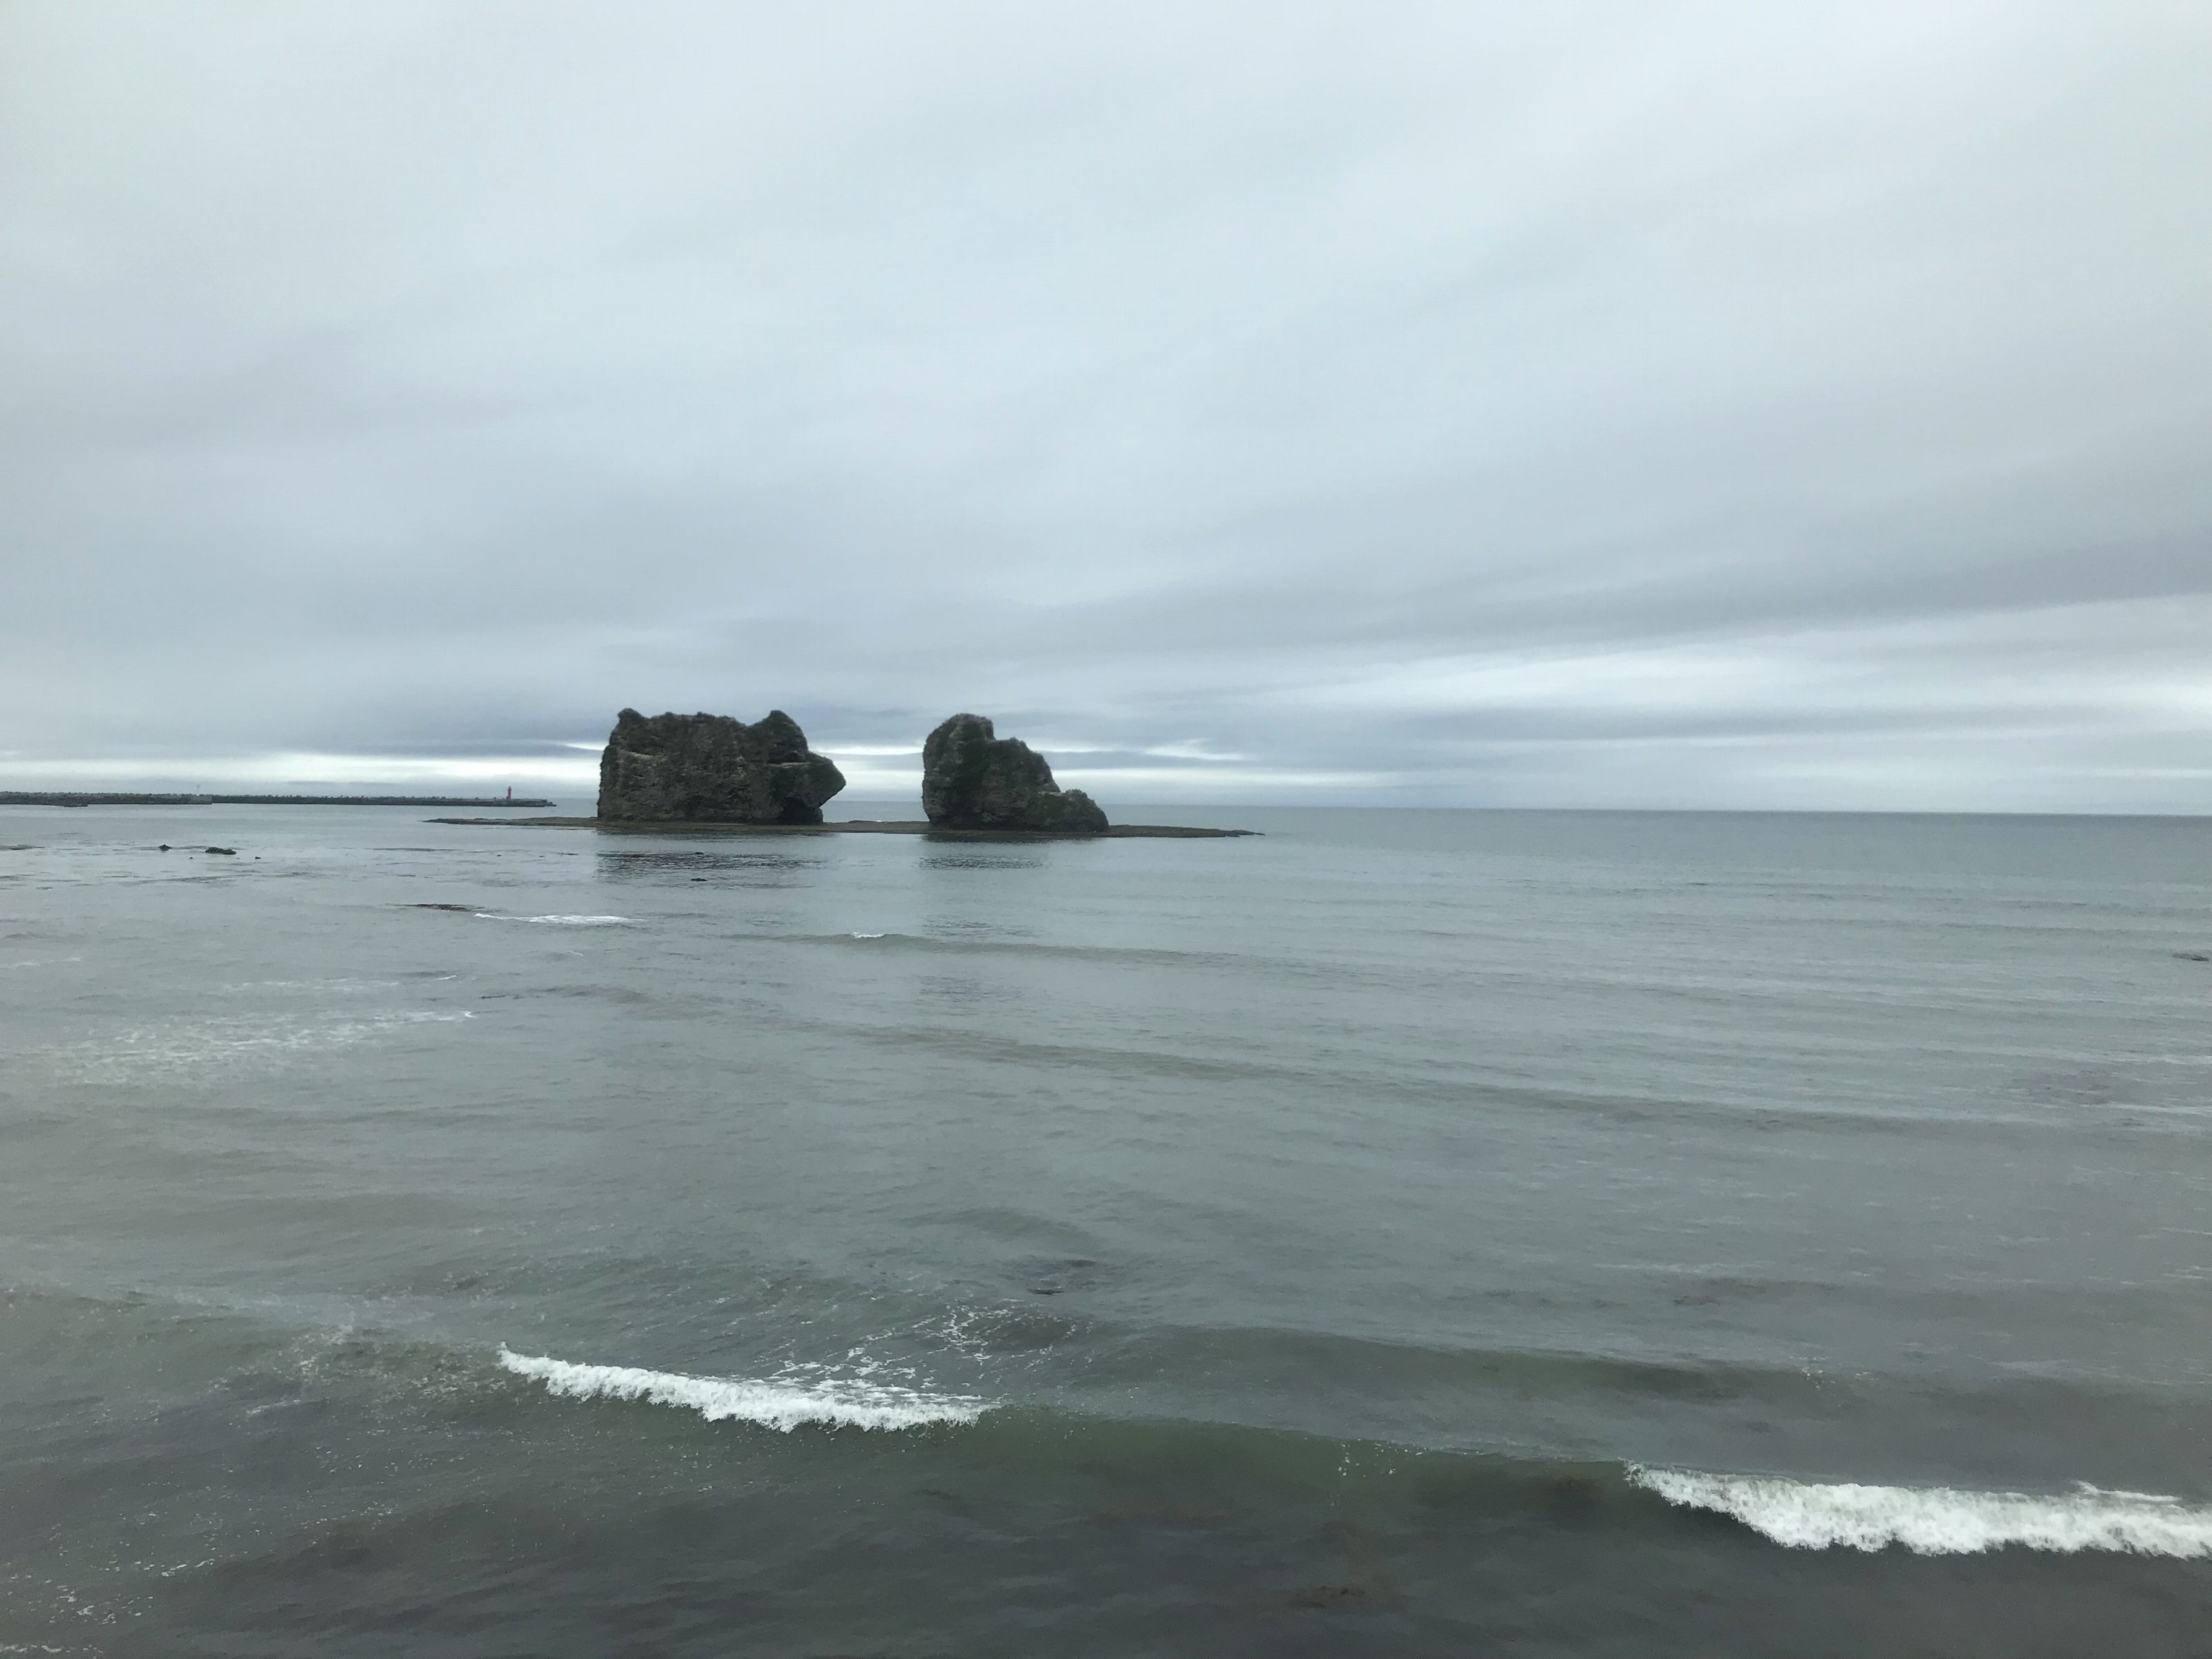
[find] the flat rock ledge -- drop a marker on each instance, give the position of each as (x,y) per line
(858,827)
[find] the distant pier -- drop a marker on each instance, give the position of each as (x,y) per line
(77,798)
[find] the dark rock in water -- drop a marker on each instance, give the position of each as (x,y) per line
(712,769)
(973,779)
(165,847)
(1074,1273)
(1325,1598)
(227,852)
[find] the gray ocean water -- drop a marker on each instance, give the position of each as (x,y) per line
(1406,1233)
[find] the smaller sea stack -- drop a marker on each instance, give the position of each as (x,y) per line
(711,769)
(973,779)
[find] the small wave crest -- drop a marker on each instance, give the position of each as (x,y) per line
(783,1405)
(560,921)
(1938,1520)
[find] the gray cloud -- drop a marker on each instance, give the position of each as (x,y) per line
(1604,404)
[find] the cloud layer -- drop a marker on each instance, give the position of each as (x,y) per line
(1669,405)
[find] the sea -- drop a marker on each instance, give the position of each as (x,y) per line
(1398,1233)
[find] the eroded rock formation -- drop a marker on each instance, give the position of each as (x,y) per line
(973,779)
(711,768)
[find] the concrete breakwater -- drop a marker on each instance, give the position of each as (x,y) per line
(81,798)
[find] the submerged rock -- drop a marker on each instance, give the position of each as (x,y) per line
(710,768)
(973,779)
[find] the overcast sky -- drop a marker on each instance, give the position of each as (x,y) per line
(1467,404)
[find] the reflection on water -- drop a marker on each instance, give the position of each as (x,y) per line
(749,868)
(972,857)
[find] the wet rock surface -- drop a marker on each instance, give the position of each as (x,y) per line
(973,779)
(712,769)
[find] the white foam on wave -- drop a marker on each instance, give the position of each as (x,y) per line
(783,1405)
(1939,1520)
(562,921)
(868,936)
(182,1049)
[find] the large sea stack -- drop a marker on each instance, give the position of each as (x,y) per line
(712,769)
(973,779)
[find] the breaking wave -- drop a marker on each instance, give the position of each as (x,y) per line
(562,921)
(837,1403)
(1939,1520)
